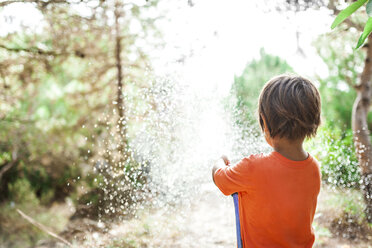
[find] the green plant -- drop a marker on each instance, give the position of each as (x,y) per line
(350,10)
(248,85)
(21,192)
(334,149)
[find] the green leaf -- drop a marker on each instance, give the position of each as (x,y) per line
(347,12)
(367,30)
(369,8)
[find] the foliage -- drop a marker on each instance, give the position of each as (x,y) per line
(248,85)
(334,148)
(18,233)
(350,10)
(344,69)
(335,136)
(347,12)
(335,112)
(21,192)
(57,83)
(47,169)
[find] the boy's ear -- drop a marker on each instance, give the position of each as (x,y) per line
(264,126)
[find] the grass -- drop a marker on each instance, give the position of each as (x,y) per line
(342,200)
(340,218)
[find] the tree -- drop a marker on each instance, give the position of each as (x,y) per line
(363,86)
(79,66)
(248,85)
(362,105)
(343,68)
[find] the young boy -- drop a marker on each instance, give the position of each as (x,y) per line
(278,191)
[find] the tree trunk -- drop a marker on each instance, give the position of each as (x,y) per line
(360,129)
(119,98)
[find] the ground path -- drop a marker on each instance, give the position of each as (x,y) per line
(208,222)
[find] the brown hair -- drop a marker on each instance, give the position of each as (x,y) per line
(290,105)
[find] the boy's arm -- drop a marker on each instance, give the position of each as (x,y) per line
(235,178)
(220,163)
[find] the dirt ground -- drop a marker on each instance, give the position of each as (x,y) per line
(207,222)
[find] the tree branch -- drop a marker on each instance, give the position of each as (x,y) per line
(23,121)
(36,50)
(9,165)
(349,81)
(30,50)
(5,3)
(43,228)
(43,3)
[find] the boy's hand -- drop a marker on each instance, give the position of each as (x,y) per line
(225,162)
(225,159)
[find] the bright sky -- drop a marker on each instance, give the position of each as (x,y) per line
(225,35)
(218,37)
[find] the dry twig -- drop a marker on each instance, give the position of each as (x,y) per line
(43,228)
(10,164)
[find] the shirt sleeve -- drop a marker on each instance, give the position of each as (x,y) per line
(236,178)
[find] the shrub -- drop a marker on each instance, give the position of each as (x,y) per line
(21,192)
(334,149)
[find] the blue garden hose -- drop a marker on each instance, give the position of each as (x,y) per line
(237,220)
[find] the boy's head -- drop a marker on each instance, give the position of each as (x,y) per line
(289,107)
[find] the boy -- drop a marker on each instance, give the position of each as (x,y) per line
(278,191)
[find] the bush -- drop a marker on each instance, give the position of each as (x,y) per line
(21,192)
(334,149)
(248,85)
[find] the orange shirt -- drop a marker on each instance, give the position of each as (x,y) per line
(277,199)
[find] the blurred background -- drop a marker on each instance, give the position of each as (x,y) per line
(112,112)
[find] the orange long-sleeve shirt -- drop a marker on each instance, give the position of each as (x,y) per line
(277,199)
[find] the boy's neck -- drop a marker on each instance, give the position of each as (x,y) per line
(291,149)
